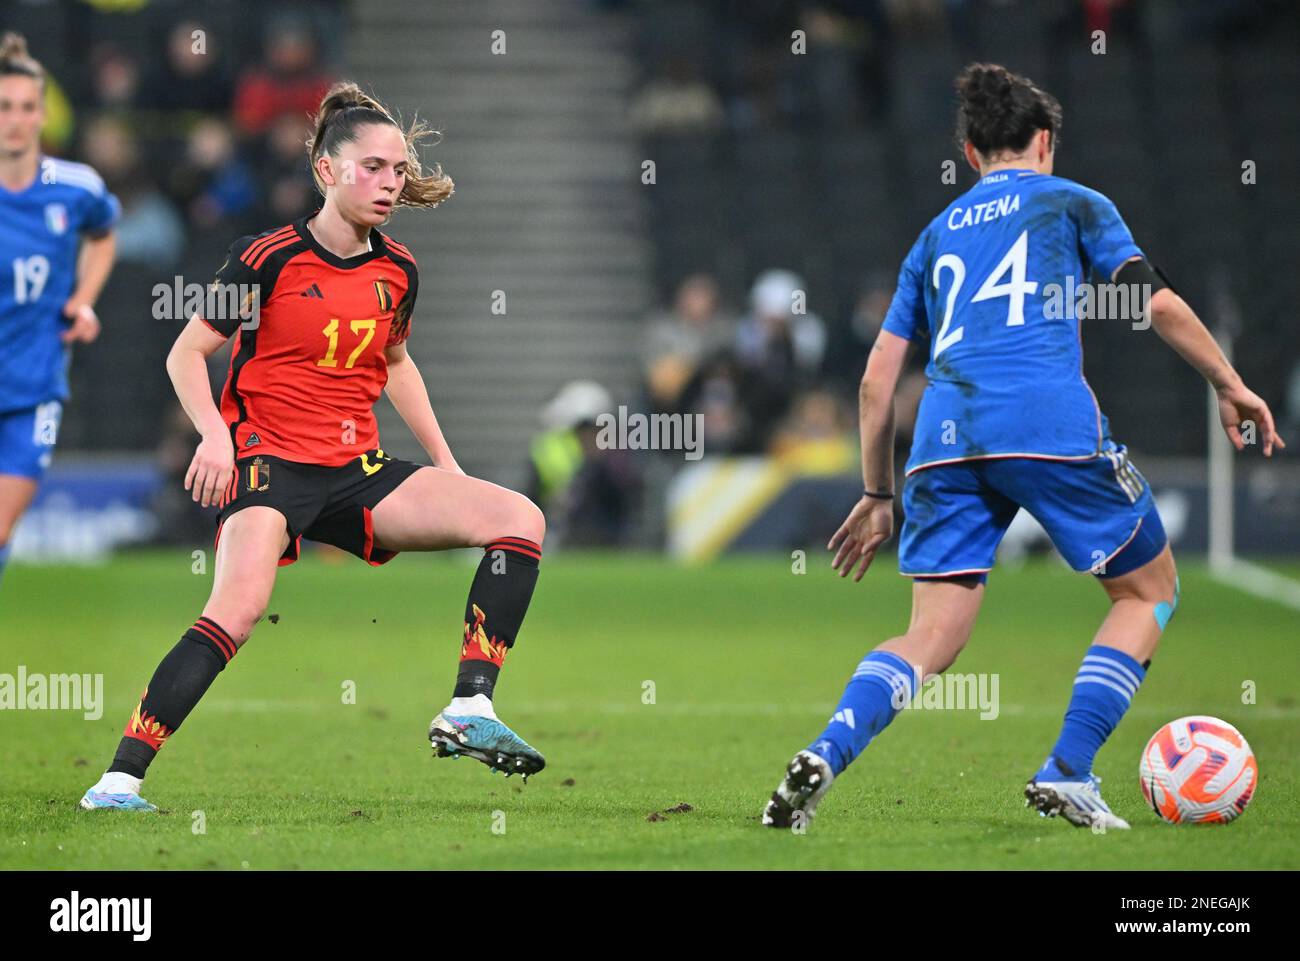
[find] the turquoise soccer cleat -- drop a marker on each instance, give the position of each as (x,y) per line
(485,739)
(94,800)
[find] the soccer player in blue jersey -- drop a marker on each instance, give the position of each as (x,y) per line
(52,212)
(1008,422)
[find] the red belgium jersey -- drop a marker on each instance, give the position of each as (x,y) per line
(310,331)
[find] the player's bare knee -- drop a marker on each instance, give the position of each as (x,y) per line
(1160,598)
(1156,585)
(527,519)
(514,515)
(237,620)
(537,522)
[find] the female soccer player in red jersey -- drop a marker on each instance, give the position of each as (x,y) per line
(320,310)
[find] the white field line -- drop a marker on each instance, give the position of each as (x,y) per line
(724,709)
(1259,581)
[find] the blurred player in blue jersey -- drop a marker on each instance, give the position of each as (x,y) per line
(51,211)
(1008,422)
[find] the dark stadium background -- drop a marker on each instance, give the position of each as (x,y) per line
(666,692)
(825,163)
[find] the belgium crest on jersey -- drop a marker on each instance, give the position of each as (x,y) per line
(259,475)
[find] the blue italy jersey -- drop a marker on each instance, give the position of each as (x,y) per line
(1006,375)
(40,228)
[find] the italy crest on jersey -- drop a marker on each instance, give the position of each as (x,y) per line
(56,218)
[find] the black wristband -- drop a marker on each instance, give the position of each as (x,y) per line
(879,495)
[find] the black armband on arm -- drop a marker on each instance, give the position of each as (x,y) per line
(1141,272)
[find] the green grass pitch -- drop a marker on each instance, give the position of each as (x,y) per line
(747,660)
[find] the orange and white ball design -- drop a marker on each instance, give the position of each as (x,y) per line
(1198,770)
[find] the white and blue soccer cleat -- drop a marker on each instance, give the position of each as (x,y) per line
(485,738)
(116,791)
(793,804)
(1077,799)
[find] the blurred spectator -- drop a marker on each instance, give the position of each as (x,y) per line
(115,78)
(283,169)
(716,395)
(678,342)
(740,406)
(587,492)
(844,78)
(779,337)
(150,231)
(927,17)
(556,454)
(213,181)
(872,306)
(191,76)
(677,101)
(754,43)
(290,80)
(59,118)
(743,392)
(853,340)
(868,318)
(819,436)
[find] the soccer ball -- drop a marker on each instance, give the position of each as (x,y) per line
(1198,770)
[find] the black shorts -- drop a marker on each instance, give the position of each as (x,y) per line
(327,504)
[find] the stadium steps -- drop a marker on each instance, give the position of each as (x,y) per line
(547,209)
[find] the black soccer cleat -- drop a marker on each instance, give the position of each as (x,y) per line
(794,802)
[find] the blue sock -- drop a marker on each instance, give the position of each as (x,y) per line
(4,556)
(1103,689)
(878,690)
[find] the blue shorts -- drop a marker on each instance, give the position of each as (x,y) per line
(27,439)
(1098,512)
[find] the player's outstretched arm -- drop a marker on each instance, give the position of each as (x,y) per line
(214,460)
(871,522)
(1179,327)
(410,397)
